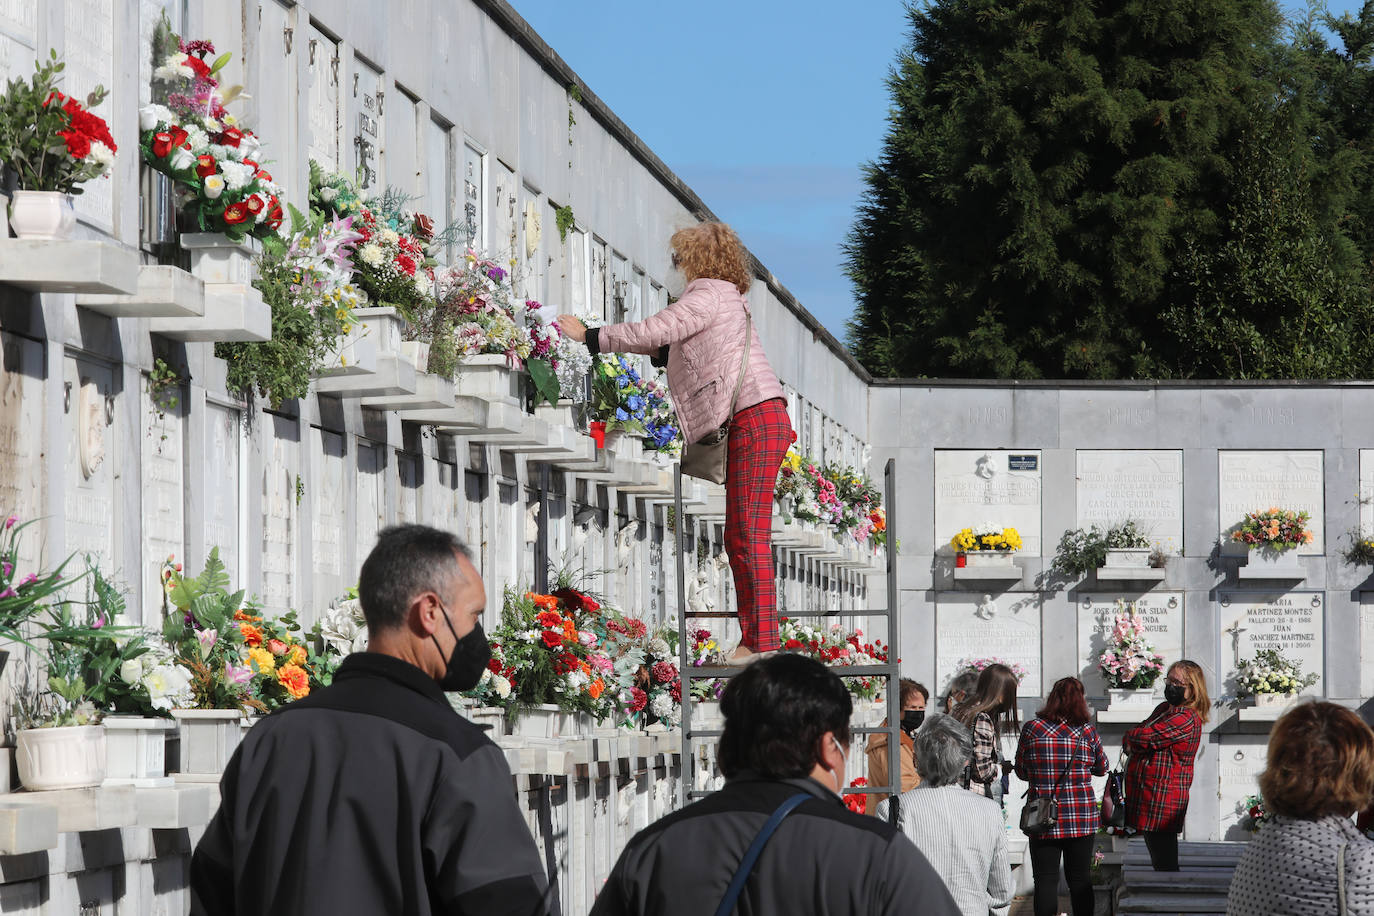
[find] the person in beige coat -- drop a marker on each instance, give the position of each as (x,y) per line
(705,338)
(914,699)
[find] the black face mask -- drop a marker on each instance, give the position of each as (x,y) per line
(1173,694)
(468,659)
(912,719)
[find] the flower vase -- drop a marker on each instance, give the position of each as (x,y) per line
(208,739)
(1127,698)
(1128,558)
(542,721)
(136,751)
(42,215)
(72,757)
(982,559)
(1274,563)
(1274,700)
(215,258)
(488,376)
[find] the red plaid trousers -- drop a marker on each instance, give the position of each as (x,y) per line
(759,438)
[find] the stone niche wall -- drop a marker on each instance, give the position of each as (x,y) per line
(1188,461)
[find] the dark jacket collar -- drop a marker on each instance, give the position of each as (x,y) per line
(375,664)
(749,781)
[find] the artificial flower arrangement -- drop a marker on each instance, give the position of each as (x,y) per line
(189,135)
(1361,549)
(644,668)
(339,632)
(1274,529)
(662,434)
(836,647)
(51,141)
(623,399)
(705,652)
(1270,672)
(978,663)
(546,651)
(1129,662)
(24,594)
(986,537)
(830,495)
(1255,813)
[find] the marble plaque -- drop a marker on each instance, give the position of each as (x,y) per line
(370,498)
(223,493)
(1240,761)
(328,513)
(279,518)
(474,212)
(408,506)
(577,272)
(22,469)
(1162,613)
(505,195)
(88,31)
(438,167)
(988,626)
(163,523)
(1252,481)
(997,487)
(1291,622)
(18,38)
(323,59)
(1139,484)
(89,504)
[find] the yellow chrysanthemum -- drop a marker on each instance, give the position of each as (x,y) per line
(262,660)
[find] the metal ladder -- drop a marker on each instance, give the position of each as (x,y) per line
(890,671)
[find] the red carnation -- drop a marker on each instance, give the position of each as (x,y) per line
(792,644)
(205,165)
(638,699)
(231,136)
(664,672)
(406,263)
(494,666)
(94,127)
(552,638)
(78,145)
(675,691)
(199,67)
(235,214)
(637,628)
(274,214)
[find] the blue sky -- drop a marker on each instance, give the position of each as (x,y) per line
(767,108)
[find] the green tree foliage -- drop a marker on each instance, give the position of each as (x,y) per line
(1147,188)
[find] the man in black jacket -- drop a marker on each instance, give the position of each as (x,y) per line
(373,795)
(786,724)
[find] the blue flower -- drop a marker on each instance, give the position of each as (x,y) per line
(621,381)
(634,402)
(624,365)
(633,374)
(639,415)
(620,414)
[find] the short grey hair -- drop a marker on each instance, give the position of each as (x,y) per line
(944,746)
(407,561)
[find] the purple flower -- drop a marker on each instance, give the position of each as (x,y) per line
(99,622)
(6,569)
(10,522)
(29,580)
(192,622)
(8,593)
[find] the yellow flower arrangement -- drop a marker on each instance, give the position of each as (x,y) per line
(986,539)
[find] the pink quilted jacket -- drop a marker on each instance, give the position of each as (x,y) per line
(705,329)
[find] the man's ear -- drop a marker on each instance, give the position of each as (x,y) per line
(425,615)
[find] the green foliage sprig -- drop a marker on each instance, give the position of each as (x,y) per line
(40,136)
(1081,551)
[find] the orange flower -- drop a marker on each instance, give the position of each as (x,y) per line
(596,688)
(241,615)
(296,655)
(547,602)
(295,680)
(252,636)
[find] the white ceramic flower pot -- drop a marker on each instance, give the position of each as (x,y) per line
(1279,563)
(487,376)
(217,259)
(136,751)
(42,215)
(61,758)
(1131,699)
(1274,700)
(974,559)
(416,352)
(208,739)
(1128,558)
(543,721)
(564,413)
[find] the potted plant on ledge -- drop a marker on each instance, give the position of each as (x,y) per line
(52,144)
(985,545)
(1271,679)
(1129,663)
(1273,537)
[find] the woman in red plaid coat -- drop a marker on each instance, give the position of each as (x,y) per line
(1159,773)
(1058,755)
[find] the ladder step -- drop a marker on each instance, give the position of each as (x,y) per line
(705,733)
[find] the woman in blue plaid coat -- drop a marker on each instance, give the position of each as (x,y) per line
(1058,755)
(1159,773)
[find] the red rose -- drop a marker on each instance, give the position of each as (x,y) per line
(78,145)
(792,644)
(552,638)
(235,214)
(424,226)
(255,204)
(252,163)
(162,144)
(178,137)
(264,175)
(231,136)
(205,166)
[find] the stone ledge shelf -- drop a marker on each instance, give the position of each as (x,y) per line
(393,376)
(465,414)
(986,574)
(1130,574)
(432,392)
(163,292)
(69,266)
(1124,715)
(175,807)
(79,810)
(27,828)
(355,355)
(1266,714)
(233,313)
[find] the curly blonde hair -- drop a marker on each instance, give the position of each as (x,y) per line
(711,251)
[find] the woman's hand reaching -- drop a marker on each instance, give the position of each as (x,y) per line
(573,328)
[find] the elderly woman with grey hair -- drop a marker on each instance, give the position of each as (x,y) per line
(962,834)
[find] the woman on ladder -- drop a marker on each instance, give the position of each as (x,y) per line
(718,372)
